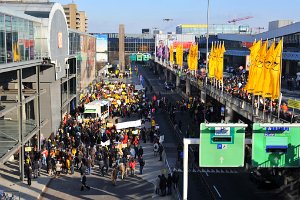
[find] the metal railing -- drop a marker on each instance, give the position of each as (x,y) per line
(253,112)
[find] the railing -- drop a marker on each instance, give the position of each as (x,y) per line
(253,113)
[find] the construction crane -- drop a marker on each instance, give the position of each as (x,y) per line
(239,19)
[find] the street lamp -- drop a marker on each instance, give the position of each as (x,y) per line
(207,35)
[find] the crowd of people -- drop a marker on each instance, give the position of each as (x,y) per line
(235,85)
(85,144)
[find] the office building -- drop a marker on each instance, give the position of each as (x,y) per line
(76,19)
(201,29)
(43,67)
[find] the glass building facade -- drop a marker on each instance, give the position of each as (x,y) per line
(144,43)
(74,43)
(201,29)
(20,39)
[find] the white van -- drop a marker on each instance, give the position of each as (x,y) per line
(98,109)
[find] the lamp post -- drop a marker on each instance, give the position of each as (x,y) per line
(207,35)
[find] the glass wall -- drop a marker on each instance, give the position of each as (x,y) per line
(74,43)
(17,39)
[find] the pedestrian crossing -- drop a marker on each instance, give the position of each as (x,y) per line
(212,171)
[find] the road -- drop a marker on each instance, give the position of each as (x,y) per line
(215,184)
(68,187)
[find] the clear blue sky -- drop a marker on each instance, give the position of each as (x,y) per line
(106,15)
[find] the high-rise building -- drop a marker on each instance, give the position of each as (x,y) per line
(83,26)
(76,19)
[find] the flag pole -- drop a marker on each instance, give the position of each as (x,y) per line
(280,98)
(264,100)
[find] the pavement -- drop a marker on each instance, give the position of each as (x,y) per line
(68,186)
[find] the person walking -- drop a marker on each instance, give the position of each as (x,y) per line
(155,148)
(132,164)
(157,184)
(169,184)
(160,150)
(114,175)
(140,151)
(175,179)
(163,185)
(58,168)
(83,183)
(142,164)
(29,175)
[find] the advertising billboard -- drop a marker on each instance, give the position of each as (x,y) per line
(101,43)
(101,57)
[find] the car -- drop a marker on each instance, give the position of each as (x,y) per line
(169,86)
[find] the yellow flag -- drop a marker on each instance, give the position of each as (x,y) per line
(259,76)
(211,72)
(276,71)
(179,55)
(189,58)
(253,62)
(220,62)
(171,54)
(193,57)
(215,62)
(267,87)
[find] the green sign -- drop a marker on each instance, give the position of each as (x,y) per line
(132,57)
(139,57)
(221,146)
(275,145)
(146,56)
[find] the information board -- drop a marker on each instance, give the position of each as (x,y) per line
(221,146)
(275,146)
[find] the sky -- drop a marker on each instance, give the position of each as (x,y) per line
(106,15)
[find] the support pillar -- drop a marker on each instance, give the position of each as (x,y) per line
(38,113)
(177,81)
(188,87)
(186,143)
(20,115)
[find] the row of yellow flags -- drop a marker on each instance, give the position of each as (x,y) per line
(192,56)
(265,69)
(216,61)
(264,72)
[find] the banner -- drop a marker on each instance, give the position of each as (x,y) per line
(129,124)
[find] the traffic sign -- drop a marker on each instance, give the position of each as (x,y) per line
(221,146)
(275,145)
